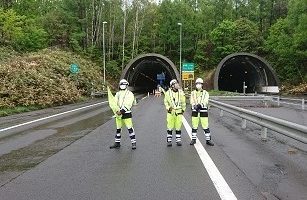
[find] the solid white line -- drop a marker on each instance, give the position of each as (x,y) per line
(59,114)
(218,180)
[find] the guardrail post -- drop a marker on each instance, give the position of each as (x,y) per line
(303,104)
(264,133)
(222,113)
(243,124)
(278,101)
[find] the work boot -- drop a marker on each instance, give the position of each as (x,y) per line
(193,142)
(133,146)
(116,145)
(179,144)
(208,142)
(169,144)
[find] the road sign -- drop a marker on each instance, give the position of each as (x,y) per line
(188,67)
(74,68)
(161,77)
(187,76)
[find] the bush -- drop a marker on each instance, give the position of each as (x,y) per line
(44,79)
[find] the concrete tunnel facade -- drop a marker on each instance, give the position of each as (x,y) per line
(237,68)
(141,72)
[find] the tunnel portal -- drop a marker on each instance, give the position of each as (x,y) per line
(238,68)
(142,71)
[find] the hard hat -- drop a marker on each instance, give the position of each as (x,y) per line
(199,80)
(123,82)
(174,81)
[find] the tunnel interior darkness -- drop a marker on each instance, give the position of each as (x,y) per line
(235,70)
(141,73)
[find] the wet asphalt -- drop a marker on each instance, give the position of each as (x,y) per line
(88,169)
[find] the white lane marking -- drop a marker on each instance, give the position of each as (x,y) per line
(59,114)
(218,180)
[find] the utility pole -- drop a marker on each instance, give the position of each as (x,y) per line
(104,54)
(180,24)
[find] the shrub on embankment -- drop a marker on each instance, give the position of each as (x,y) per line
(44,79)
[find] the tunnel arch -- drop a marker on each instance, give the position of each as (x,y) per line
(141,72)
(237,68)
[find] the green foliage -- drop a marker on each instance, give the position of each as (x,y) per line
(287,44)
(7,53)
(18,109)
(230,37)
(211,30)
(21,33)
(43,79)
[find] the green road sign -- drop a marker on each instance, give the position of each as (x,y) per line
(74,68)
(188,67)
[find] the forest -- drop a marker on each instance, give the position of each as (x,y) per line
(211,30)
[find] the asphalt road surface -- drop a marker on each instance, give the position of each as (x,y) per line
(73,160)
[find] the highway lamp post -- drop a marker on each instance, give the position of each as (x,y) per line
(104,55)
(180,24)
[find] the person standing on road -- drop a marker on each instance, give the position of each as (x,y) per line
(175,104)
(160,89)
(199,101)
(124,99)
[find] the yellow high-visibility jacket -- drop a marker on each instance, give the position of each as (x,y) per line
(199,97)
(125,99)
(175,100)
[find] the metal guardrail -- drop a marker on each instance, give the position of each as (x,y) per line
(99,94)
(290,129)
(274,99)
(243,98)
(287,101)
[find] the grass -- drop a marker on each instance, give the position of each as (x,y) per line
(21,109)
(18,109)
(222,93)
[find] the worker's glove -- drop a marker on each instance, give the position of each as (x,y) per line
(122,111)
(170,110)
(197,107)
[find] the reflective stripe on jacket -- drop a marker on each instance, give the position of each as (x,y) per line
(125,99)
(175,100)
(199,97)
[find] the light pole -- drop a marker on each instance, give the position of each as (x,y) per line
(104,54)
(180,24)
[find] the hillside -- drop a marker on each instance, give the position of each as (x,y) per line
(43,78)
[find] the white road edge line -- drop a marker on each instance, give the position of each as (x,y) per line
(218,180)
(59,114)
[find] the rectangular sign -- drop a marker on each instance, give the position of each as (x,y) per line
(161,77)
(186,76)
(188,67)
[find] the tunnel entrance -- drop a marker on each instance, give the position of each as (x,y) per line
(141,72)
(239,68)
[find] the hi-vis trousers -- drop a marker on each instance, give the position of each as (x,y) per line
(203,118)
(174,121)
(119,124)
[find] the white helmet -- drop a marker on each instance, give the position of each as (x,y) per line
(199,80)
(123,82)
(174,81)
